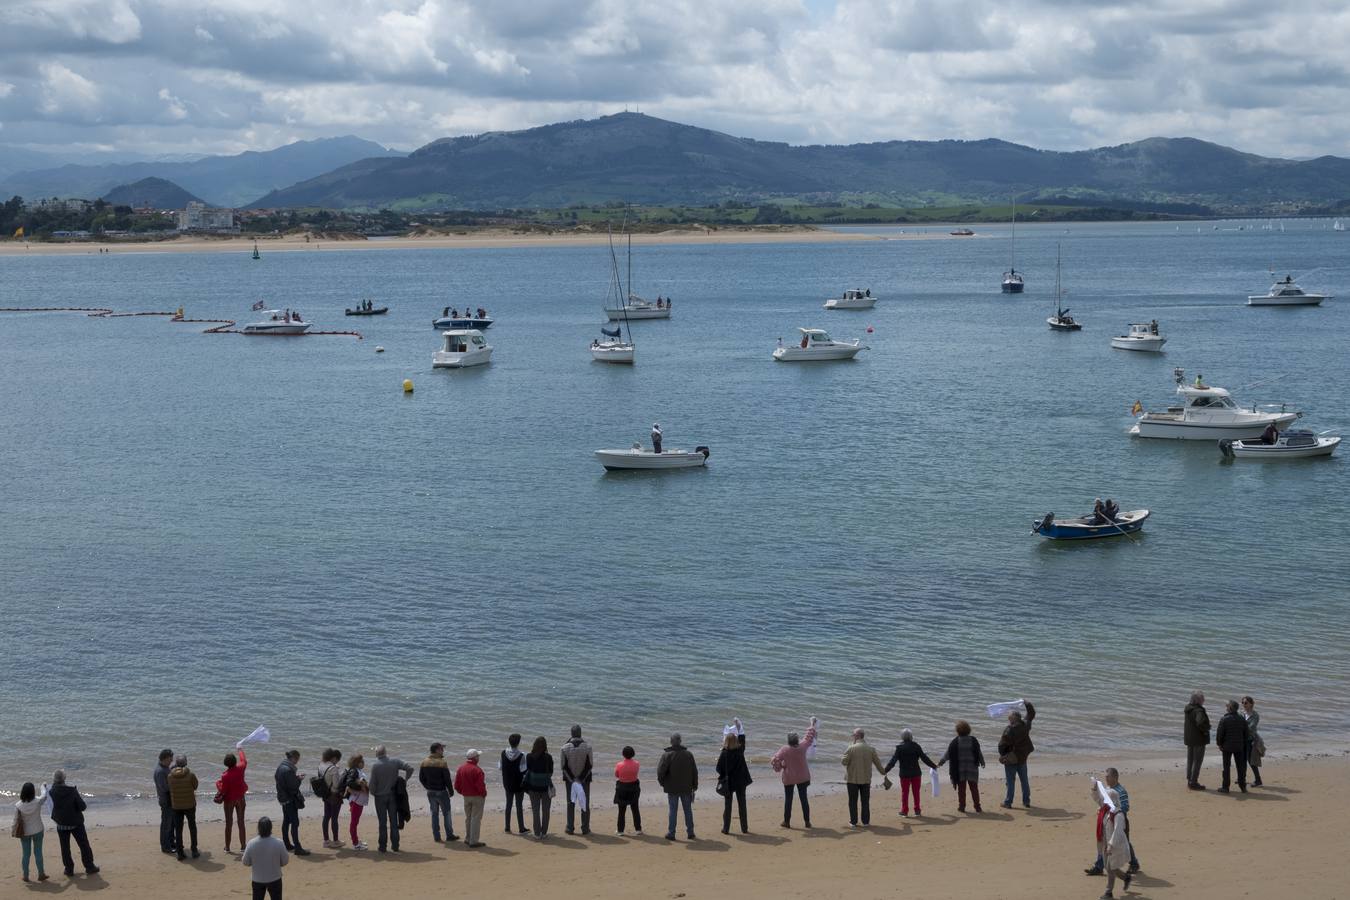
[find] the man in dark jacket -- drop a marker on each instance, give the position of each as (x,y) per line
(1231,739)
(1196,735)
(677,773)
(288,780)
(437,778)
(68,814)
(1015,746)
(576,767)
(161,777)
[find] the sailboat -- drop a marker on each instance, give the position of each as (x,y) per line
(629,305)
(1061,320)
(612,348)
(256,254)
(1012,279)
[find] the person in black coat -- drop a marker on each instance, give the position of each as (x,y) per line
(908,754)
(1231,738)
(68,814)
(733,777)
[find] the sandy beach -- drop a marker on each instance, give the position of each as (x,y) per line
(492,238)
(1276,840)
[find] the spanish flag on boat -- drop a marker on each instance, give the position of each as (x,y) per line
(18,232)
(1137,408)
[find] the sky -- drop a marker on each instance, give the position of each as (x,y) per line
(167,77)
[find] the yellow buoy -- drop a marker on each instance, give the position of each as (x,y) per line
(407,386)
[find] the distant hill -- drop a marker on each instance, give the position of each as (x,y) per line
(155,193)
(222,180)
(639,159)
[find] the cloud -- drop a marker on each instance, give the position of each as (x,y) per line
(207,75)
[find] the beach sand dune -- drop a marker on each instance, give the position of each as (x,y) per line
(1279,841)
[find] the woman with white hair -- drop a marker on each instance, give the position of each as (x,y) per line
(1112,842)
(908,754)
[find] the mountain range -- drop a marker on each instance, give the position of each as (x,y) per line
(639,159)
(219,180)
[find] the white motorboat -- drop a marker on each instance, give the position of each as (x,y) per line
(1286,293)
(639,457)
(1143,336)
(1208,413)
(852,299)
(278,322)
(1288,445)
(464,347)
(816,344)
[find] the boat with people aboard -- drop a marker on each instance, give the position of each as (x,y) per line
(1141,336)
(277,322)
(852,299)
(1104,522)
(962,232)
(1061,320)
(1208,413)
(452,318)
(816,345)
(463,347)
(639,457)
(1286,293)
(1012,279)
(1275,444)
(367,308)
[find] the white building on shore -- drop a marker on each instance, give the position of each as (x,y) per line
(200,217)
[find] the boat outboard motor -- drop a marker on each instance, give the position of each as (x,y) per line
(1043,523)
(1226,448)
(703,450)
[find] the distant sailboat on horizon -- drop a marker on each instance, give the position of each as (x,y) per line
(1012,279)
(256,254)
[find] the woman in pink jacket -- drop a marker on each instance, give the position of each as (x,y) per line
(791,762)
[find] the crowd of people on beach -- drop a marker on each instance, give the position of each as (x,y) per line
(354,786)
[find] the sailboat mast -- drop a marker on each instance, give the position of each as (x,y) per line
(630,270)
(1013,265)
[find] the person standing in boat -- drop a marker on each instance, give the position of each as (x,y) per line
(445,313)
(1270,435)
(656,437)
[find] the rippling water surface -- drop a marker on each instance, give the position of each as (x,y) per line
(205,532)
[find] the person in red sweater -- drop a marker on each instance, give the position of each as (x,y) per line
(232,789)
(472,789)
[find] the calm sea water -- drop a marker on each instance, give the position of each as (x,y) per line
(205,532)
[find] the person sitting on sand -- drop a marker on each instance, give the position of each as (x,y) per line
(792,761)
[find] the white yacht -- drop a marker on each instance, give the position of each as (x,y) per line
(638,308)
(1142,336)
(464,347)
(816,344)
(1208,413)
(639,457)
(611,346)
(612,349)
(278,321)
(852,299)
(1286,293)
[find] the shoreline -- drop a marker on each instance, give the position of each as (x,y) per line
(1275,839)
(489,239)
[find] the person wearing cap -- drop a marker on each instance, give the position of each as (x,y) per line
(472,789)
(656,437)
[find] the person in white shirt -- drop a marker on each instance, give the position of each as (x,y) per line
(29,806)
(265,855)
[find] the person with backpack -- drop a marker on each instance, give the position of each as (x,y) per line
(331,775)
(231,789)
(512,767)
(288,780)
(436,777)
(539,785)
(355,787)
(577,762)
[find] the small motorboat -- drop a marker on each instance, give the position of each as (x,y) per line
(815,345)
(464,347)
(277,322)
(963,232)
(1143,336)
(1208,412)
(639,457)
(1289,445)
(452,319)
(1086,527)
(852,299)
(1286,293)
(366,308)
